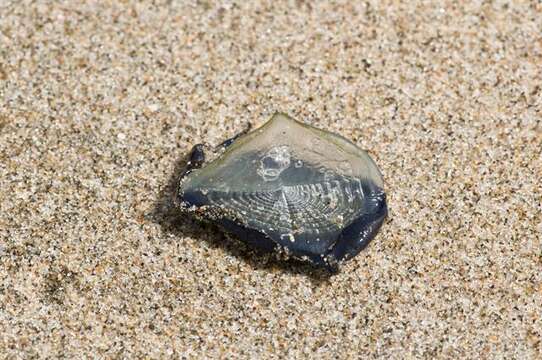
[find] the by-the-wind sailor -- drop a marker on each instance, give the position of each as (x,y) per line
(288,187)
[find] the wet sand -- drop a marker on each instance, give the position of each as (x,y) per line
(101,100)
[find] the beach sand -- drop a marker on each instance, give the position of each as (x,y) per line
(100,101)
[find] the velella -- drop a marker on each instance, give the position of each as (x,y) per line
(288,187)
